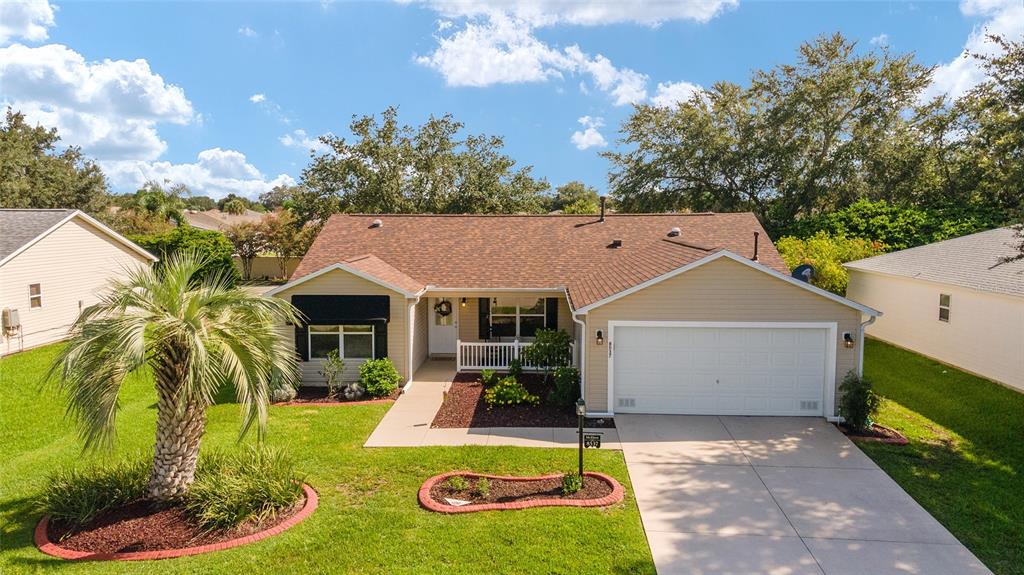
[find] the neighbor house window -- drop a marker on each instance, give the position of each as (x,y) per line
(351,341)
(516,316)
(35,295)
(944,300)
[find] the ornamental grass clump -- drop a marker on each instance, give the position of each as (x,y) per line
(509,392)
(77,496)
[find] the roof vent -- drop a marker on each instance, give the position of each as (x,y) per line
(674,232)
(615,244)
(377,223)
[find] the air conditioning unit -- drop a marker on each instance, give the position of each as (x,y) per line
(11,322)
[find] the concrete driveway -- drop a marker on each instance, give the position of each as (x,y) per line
(776,495)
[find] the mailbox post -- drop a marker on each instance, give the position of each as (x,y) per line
(581,412)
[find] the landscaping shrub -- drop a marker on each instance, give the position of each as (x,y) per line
(567,387)
(354,391)
(488,377)
(858,402)
(483,487)
(214,246)
(827,254)
(549,350)
(571,483)
(509,392)
(458,483)
(283,392)
(515,368)
(331,370)
(254,484)
(379,377)
(79,495)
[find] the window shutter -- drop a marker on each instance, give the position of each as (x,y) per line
(302,341)
(485,318)
(551,313)
(380,339)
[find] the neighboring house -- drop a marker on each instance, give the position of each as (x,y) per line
(952,301)
(217,220)
(53,263)
(669,313)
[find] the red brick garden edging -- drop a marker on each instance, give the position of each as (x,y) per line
(331,403)
(617,494)
(42,540)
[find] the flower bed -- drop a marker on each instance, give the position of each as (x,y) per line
(464,406)
(506,493)
(310,395)
(877,434)
(136,532)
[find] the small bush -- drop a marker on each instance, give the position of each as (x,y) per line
(457,483)
(515,368)
(509,392)
(567,387)
(488,377)
(354,391)
(79,495)
(550,350)
(858,403)
(331,370)
(281,390)
(483,487)
(571,483)
(379,377)
(252,485)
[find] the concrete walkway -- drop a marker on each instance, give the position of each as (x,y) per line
(776,495)
(407,423)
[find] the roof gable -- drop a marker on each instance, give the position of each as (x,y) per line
(25,222)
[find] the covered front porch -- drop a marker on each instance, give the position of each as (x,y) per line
(481,330)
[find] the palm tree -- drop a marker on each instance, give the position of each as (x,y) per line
(196,337)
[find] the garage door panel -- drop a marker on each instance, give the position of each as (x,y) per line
(721,370)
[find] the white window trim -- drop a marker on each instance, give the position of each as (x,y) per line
(517,315)
(38,296)
(341,341)
(948,307)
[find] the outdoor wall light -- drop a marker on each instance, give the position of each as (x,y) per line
(847,340)
(463,302)
(600,337)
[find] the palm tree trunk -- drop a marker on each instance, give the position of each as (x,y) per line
(179,430)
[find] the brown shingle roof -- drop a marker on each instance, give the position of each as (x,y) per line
(518,251)
(371,265)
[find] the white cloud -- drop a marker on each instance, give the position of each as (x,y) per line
(576,12)
(247,32)
(25,19)
(110,108)
(257,98)
(1003,17)
(880,40)
(500,49)
(590,136)
(301,140)
(270,107)
(215,172)
(671,93)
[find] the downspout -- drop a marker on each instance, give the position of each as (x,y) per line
(410,327)
(583,355)
(860,351)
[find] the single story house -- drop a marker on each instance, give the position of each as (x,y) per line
(952,301)
(669,313)
(54,263)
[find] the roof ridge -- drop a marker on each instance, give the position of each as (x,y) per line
(607,215)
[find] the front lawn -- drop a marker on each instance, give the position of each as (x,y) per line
(369,520)
(965,460)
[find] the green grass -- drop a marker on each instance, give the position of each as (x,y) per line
(368,521)
(965,459)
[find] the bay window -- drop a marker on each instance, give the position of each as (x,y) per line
(519,317)
(351,341)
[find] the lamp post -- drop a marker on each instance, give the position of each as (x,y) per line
(581,412)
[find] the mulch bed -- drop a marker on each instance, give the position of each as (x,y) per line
(877,434)
(318,395)
(506,493)
(144,530)
(464,406)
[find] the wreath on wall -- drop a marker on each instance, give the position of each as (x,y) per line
(443,308)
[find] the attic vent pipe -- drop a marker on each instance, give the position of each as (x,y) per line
(756,234)
(674,232)
(602,209)
(377,224)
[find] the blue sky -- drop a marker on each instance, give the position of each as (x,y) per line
(228,96)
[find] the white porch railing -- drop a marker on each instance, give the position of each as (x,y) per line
(479,355)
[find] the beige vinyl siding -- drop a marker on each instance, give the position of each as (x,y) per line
(341,282)
(722,290)
(72,265)
(421,325)
(469,325)
(984,335)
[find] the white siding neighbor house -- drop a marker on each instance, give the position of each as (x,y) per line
(54,263)
(952,301)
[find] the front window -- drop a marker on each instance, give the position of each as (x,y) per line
(517,316)
(351,341)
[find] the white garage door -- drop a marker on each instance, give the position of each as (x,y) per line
(719,370)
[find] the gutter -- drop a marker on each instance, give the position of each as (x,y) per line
(583,354)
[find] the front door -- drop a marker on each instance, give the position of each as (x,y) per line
(443,326)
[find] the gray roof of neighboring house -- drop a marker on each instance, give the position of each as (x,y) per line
(969,261)
(20,226)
